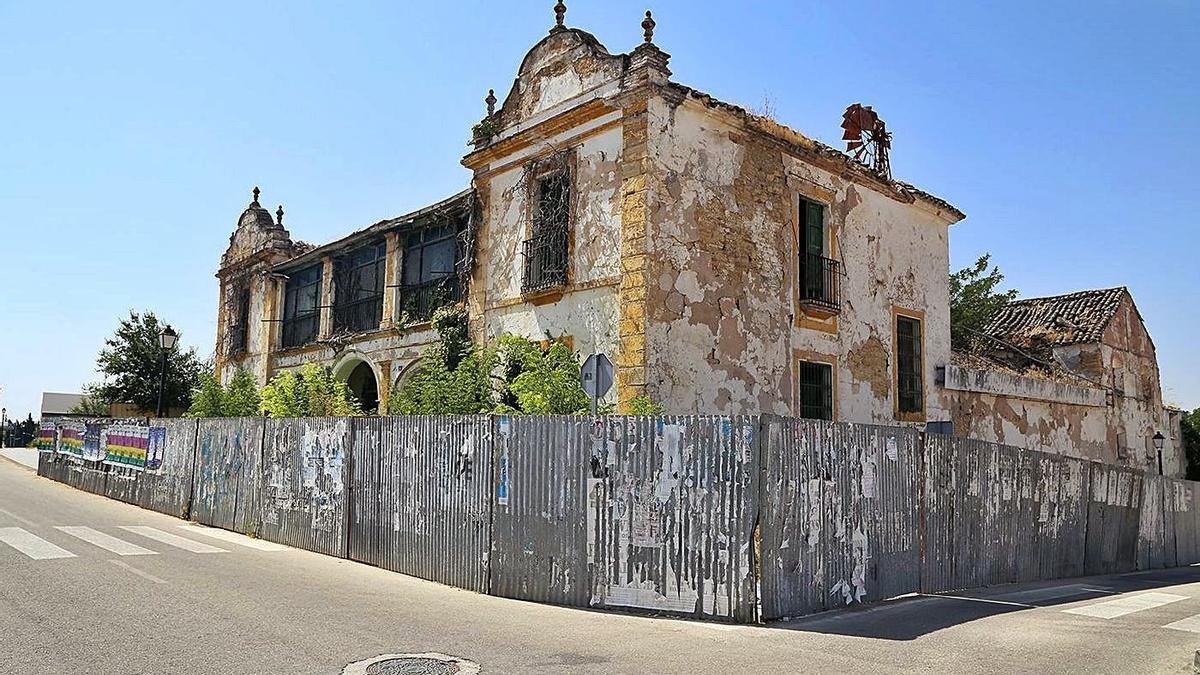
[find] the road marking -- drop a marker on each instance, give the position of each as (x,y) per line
(19,519)
(172,540)
(1120,607)
(1190,624)
(149,577)
(106,541)
(1054,592)
(32,545)
(990,601)
(234,538)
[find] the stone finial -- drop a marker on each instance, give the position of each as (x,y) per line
(279,216)
(491,102)
(256,192)
(648,27)
(560,12)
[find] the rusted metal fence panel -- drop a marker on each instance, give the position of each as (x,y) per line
(167,487)
(226,491)
(840,515)
(1182,504)
(540,536)
(671,510)
(1112,520)
(122,484)
(421,497)
(997,514)
(303,483)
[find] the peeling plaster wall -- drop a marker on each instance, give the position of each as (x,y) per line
(1131,370)
(1048,426)
(723,333)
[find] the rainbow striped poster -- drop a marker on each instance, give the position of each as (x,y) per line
(47,438)
(70,440)
(125,445)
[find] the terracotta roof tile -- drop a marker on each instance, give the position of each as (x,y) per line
(1068,319)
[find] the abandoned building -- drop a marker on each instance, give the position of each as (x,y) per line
(1077,373)
(727,263)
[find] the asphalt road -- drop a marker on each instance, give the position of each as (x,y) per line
(92,585)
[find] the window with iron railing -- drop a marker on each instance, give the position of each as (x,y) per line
(546,251)
(430,280)
(358,288)
(816,390)
(238,338)
(910,376)
(819,277)
(302,307)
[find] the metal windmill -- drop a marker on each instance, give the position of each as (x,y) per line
(867,138)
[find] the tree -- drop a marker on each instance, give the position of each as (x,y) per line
(311,391)
(974,300)
(131,361)
(1191,443)
(240,398)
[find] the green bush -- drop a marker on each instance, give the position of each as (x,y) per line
(311,391)
(239,399)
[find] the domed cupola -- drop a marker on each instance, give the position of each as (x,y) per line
(258,235)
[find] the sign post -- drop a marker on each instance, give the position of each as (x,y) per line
(596,377)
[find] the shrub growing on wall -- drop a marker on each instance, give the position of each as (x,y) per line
(311,391)
(514,376)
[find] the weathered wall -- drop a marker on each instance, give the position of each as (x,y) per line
(724,326)
(1114,420)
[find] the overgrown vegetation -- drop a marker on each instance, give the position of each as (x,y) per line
(514,375)
(311,391)
(974,299)
(240,398)
(484,131)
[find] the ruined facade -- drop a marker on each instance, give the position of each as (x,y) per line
(1075,373)
(727,263)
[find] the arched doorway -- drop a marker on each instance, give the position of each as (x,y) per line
(365,388)
(359,375)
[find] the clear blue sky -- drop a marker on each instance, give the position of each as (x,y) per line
(132,133)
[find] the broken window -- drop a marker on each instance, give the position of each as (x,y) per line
(546,250)
(816,390)
(302,307)
(910,378)
(430,273)
(818,274)
(359,278)
(238,338)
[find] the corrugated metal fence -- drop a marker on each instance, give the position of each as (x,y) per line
(735,518)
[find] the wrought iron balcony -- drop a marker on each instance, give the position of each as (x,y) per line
(820,283)
(358,316)
(545,261)
(418,302)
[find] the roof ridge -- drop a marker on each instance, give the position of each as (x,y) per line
(1090,291)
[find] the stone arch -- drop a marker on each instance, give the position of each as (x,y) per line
(362,376)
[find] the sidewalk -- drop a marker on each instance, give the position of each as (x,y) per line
(27,457)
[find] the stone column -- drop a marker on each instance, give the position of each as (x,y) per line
(326,324)
(391,278)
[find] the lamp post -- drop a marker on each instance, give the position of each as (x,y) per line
(3,427)
(166,340)
(1158,445)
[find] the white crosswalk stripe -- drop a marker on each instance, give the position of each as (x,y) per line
(1190,624)
(172,540)
(105,541)
(234,538)
(1111,609)
(32,545)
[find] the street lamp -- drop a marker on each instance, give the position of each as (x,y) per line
(3,427)
(166,340)
(1158,445)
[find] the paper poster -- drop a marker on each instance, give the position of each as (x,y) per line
(47,438)
(125,445)
(70,438)
(646,528)
(502,487)
(156,447)
(92,451)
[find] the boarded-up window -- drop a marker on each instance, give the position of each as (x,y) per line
(816,390)
(239,329)
(358,288)
(909,366)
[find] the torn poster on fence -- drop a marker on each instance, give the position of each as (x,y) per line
(156,448)
(125,445)
(47,438)
(646,525)
(70,439)
(668,442)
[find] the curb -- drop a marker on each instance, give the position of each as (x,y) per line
(18,462)
(1196,663)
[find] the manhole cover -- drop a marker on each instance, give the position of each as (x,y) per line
(412,664)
